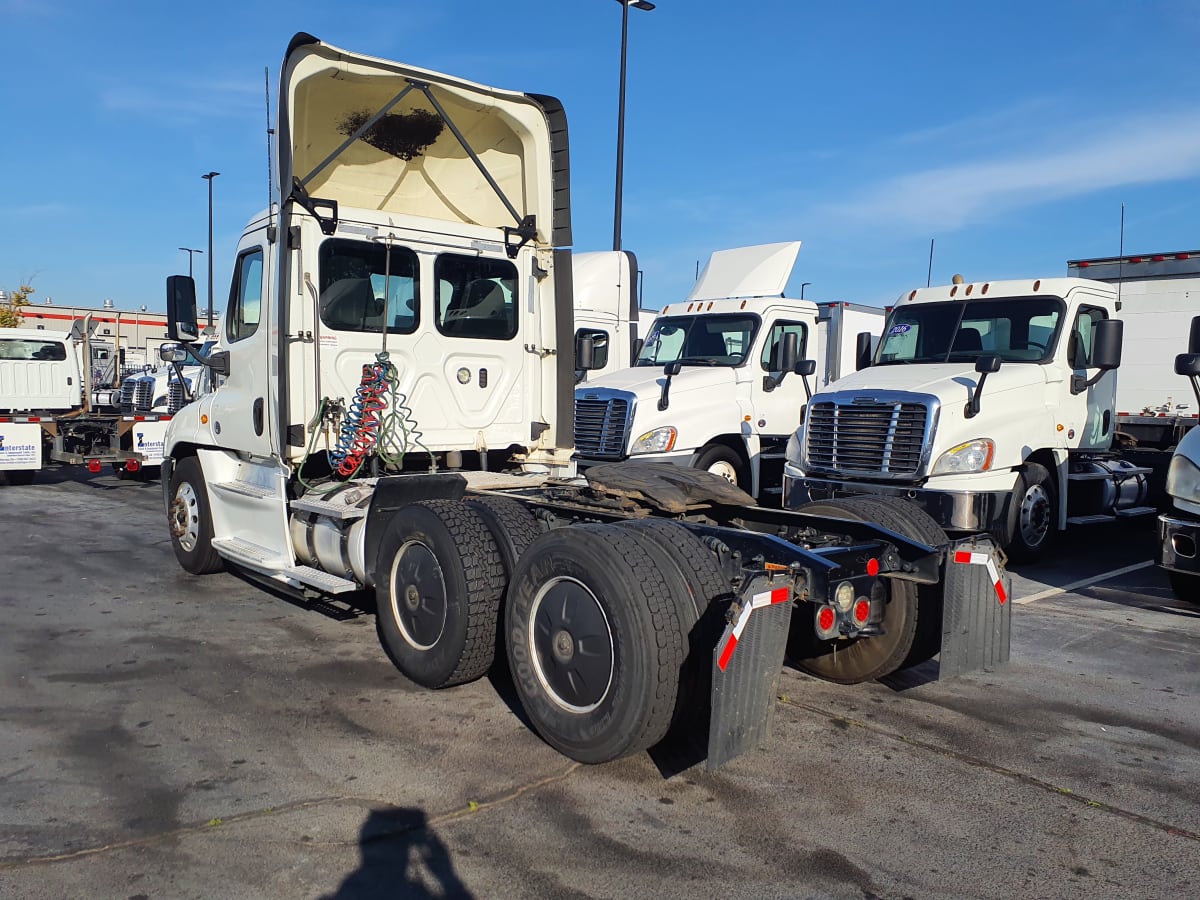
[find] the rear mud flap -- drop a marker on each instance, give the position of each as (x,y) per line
(977,616)
(746,666)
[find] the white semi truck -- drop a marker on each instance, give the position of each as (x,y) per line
(713,387)
(46,412)
(394,383)
(1179,526)
(994,405)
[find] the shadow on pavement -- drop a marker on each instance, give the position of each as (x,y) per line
(401,856)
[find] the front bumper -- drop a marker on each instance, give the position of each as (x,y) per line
(967,511)
(1177,544)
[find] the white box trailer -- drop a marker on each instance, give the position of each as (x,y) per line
(1158,294)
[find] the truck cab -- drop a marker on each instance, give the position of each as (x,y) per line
(991,404)
(1179,526)
(708,389)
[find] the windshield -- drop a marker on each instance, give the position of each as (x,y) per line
(708,340)
(1017,329)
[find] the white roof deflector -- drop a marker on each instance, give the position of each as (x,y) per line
(759,271)
(372,134)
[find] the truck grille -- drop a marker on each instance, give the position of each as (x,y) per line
(880,438)
(175,397)
(601,427)
(136,394)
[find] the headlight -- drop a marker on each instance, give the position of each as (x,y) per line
(660,440)
(1183,479)
(973,456)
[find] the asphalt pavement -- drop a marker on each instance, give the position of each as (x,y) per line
(165,735)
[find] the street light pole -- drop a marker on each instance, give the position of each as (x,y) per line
(209,178)
(625,4)
(803,285)
(189,251)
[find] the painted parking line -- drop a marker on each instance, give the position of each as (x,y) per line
(1086,582)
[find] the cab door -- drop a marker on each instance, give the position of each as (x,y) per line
(240,412)
(777,412)
(1089,413)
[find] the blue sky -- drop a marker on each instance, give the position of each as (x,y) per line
(1009,133)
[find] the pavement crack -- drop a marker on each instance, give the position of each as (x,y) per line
(1022,777)
(212,824)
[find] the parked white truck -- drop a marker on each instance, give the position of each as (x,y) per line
(994,406)
(404,321)
(45,410)
(1179,527)
(710,388)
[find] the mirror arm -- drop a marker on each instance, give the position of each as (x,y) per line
(664,399)
(1079,384)
(972,408)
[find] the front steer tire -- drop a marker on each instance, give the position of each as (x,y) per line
(595,643)
(190,519)
(438,583)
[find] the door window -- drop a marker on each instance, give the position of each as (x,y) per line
(1083,336)
(775,339)
(245,296)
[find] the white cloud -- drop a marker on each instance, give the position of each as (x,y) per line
(1141,150)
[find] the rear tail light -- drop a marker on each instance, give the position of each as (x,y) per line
(862,611)
(132,465)
(93,466)
(826,622)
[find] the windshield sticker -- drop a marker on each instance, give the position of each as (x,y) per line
(902,328)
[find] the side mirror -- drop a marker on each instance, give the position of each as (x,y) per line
(671,369)
(805,367)
(637,350)
(181,308)
(786,354)
(1106,344)
(1194,336)
(862,351)
(1187,364)
(172,353)
(585,353)
(987,363)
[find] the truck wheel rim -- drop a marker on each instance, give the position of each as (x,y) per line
(1035,515)
(185,517)
(571,645)
(418,595)
(725,470)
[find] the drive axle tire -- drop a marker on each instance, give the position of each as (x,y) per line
(914,523)
(854,660)
(1032,515)
(438,583)
(512,525)
(702,618)
(594,641)
(190,519)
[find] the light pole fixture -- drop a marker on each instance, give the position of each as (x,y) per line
(209,178)
(189,251)
(803,285)
(625,4)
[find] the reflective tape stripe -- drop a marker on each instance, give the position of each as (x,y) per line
(984,559)
(757,601)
